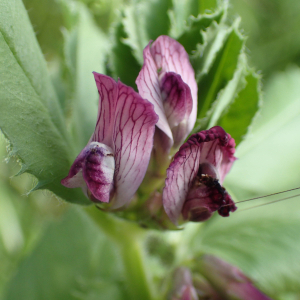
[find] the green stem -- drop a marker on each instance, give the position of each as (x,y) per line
(127,235)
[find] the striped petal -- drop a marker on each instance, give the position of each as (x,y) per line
(167,80)
(148,86)
(112,166)
(108,95)
(170,56)
(210,153)
(135,121)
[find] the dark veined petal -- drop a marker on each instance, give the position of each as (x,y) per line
(178,104)
(167,79)
(170,56)
(148,86)
(114,163)
(108,95)
(180,175)
(211,150)
(93,171)
(134,127)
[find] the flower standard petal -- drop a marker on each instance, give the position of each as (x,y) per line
(170,56)
(132,142)
(114,163)
(192,183)
(108,93)
(148,86)
(166,62)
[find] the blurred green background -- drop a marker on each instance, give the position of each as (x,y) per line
(48,251)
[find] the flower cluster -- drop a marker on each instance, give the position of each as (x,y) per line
(134,129)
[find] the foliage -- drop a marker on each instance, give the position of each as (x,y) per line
(48,112)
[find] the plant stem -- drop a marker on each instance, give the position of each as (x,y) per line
(127,236)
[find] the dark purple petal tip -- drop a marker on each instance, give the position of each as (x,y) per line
(93,171)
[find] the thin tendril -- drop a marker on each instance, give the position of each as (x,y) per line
(269,202)
(266,196)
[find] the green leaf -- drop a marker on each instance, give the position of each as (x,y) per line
(193,33)
(30,116)
(205,5)
(268,159)
(181,11)
(272,29)
(19,37)
(213,38)
(73,260)
(145,21)
(47,19)
(122,63)
(86,48)
(240,113)
(220,73)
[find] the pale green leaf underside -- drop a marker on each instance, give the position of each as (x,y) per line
(19,36)
(30,116)
(269,157)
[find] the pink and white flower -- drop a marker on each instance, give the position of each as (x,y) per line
(113,164)
(167,80)
(193,187)
(183,285)
(228,280)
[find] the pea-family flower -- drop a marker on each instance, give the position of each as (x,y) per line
(193,187)
(228,280)
(113,164)
(183,288)
(167,80)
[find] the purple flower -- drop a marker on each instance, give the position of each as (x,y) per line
(193,187)
(113,164)
(183,285)
(228,280)
(167,80)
